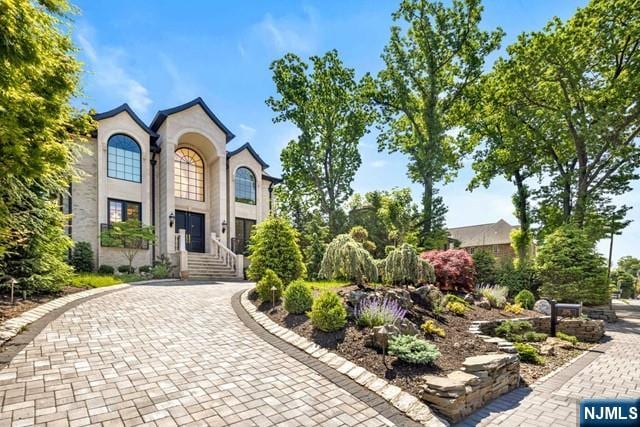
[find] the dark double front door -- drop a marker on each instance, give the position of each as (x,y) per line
(193,224)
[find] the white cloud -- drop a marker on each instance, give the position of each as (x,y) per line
(297,34)
(246,133)
(378,164)
(109,73)
(181,86)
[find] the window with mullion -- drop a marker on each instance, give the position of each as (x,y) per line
(245,186)
(123,210)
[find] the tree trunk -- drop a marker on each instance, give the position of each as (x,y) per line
(523,217)
(427,208)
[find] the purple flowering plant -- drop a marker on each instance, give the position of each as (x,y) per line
(378,311)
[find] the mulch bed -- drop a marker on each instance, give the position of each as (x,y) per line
(350,344)
(457,345)
(530,373)
(8,311)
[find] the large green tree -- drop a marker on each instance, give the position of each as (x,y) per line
(574,85)
(328,107)
(434,56)
(38,130)
(507,149)
(390,217)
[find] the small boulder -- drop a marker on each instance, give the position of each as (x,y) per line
(407,327)
(426,295)
(542,306)
(402,296)
(380,335)
(355,297)
(558,343)
(469,298)
(483,303)
(547,349)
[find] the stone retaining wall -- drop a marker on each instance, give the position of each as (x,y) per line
(482,379)
(602,312)
(587,330)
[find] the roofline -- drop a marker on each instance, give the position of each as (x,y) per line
(124,108)
(480,225)
(247,146)
(272,179)
(162,115)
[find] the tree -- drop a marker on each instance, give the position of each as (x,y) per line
(131,235)
(347,259)
(506,149)
(314,252)
(454,269)
(390,217)
(570,268)
(574,85)
(38,133)
(429,68)
(328,108)
(629,265)
(273,245)
(486,268)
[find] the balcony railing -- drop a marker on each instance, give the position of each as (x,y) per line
(121,243)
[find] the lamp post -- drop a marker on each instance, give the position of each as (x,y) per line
(273,297)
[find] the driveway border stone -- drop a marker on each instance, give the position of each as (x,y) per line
(388,400)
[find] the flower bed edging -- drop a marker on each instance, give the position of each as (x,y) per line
(410,405)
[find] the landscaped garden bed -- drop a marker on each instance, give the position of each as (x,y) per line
(353,341)
(420,322)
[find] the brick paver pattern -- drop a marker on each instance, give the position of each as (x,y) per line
(612,371)
(166,355)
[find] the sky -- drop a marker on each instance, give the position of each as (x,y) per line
(162,56)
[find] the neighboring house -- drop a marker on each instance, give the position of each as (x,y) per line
(493,238)
(177,175)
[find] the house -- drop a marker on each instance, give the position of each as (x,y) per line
(493,238)
(177,175)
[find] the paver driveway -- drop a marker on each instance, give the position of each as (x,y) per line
(611,370)
(166,355)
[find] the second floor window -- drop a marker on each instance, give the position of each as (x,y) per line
(189,175)
(123,158)
(245,186)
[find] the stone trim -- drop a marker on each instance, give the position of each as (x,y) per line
(15,325)
(402,401)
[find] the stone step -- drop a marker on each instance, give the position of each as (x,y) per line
(206,264)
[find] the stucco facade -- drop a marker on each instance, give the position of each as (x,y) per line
(121,181)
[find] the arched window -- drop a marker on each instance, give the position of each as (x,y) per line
(123,160)
(245,186)
(189,175)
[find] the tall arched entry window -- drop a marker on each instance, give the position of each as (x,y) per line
(123,158)
(189,175)
(245,186)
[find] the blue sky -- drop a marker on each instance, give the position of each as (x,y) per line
(162,56)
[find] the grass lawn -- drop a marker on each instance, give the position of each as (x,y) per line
(326,285)
(92,280)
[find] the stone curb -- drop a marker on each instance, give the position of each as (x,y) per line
(406,403)
(15,325)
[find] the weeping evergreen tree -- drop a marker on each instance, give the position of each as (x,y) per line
(403,266)
(347,259)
